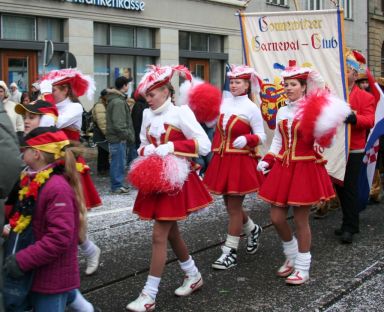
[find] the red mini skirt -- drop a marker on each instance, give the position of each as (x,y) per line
(233,174)
(298,184)
(170,207)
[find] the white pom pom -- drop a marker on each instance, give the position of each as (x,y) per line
(176,170)
(331,116)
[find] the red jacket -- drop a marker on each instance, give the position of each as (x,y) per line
(363,105)
(223,141)
(55,225)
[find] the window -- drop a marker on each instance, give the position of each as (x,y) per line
(314,4)
(201,42)
(278,2)
(123,36)
(107,67)
(49,29)
(17,27)
(100,34)
(347,6)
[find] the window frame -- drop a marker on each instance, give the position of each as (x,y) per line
(348,13)
(282,3)
(208,42)
(135,29)
(314,2)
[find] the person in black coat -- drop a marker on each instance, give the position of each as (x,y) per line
(137,117)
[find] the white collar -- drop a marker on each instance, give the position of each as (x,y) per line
(64,102)
(163,107)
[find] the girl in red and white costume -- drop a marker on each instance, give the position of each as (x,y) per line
(298,176)
(63,87)
(232,170)
(168,129)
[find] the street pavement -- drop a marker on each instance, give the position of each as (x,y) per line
(342,277)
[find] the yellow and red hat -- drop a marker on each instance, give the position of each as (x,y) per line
(46,139)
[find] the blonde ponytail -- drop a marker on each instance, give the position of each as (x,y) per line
(74,180)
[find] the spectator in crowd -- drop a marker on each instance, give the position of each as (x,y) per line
(25,98)
(99,112)
(360,120)
(10,166)
(119,133)
(15,95)
(131,148)
(137,116)
(9,106)
(35,91)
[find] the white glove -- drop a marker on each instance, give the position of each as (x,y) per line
(165,149)
(45,86)
(262,166)
(240,142)
(149,149)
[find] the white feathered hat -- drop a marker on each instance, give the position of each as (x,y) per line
(158,76)
(248,73)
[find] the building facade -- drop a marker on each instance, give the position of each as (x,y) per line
(376,37)
(109,38)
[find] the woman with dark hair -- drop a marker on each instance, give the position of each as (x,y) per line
(25,98)
(232,170)
(297,176)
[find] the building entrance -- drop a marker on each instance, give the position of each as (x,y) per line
(19,67)
(199,68)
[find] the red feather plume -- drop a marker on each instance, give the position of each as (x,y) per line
(310,111)
(204,101)
(359,57)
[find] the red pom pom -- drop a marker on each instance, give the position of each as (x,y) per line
(204,101)
(149,175)
(311,110)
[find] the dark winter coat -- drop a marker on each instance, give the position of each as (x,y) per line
(119,121)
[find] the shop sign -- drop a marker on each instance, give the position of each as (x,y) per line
(133,5)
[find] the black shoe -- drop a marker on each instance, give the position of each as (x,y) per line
(227,260)
(346,238)
(253,240)
(338,232)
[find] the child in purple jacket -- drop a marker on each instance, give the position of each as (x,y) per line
(49,201)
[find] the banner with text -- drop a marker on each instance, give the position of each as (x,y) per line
(312,38)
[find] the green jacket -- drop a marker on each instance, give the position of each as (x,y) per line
(119,121)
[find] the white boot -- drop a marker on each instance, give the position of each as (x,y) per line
(143,303)
(190,284)
(290,250)
(301,273)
